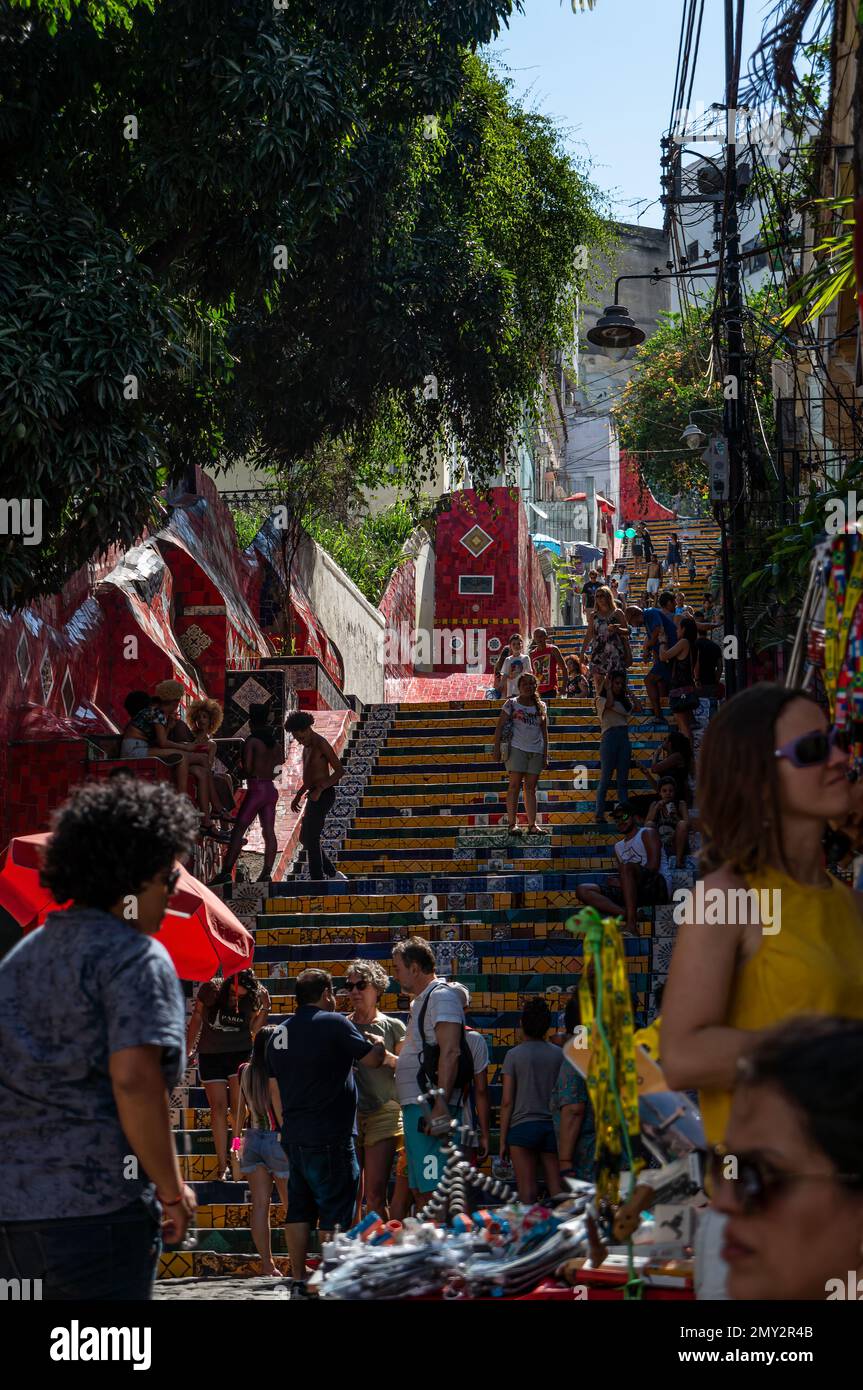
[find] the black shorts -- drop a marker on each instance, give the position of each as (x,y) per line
(652,889)
(323,1184)
(218,1066)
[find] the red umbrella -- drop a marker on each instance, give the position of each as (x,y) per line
(199,932)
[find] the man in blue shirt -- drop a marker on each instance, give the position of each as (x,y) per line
(312,1056)
(661,634)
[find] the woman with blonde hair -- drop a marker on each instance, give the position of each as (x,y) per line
(380,1131)
(607,639)
(781,936)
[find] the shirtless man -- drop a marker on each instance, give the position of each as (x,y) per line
(263,751)
(654,577)
(322,769)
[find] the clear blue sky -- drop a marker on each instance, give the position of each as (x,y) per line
(563,64)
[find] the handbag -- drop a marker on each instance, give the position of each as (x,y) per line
(684,698)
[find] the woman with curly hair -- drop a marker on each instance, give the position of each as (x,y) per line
(205,720)
(778,936)
(379,1116)
(92,1040)
(226,1017)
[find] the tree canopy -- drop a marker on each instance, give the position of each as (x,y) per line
(237,231)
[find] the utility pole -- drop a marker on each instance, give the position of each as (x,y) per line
(735,670)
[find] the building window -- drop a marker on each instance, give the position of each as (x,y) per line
(692,251)
(476,583)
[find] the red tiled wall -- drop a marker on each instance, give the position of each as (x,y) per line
(637,502)
(40,777)
(120,675)
(194,589)
(503,518)
(398,607)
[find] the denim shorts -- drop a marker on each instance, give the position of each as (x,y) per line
(323,1184)
(262,1149)
(537,1135)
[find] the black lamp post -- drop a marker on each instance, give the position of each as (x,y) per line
(615,332)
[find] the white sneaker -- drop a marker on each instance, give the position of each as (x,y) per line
(343,877)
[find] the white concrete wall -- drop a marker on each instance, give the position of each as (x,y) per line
(348,618)
(421,547)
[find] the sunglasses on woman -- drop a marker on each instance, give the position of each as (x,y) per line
(811,749)
(356,984)
(757,1183)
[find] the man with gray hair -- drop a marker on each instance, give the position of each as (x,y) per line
(434,1053)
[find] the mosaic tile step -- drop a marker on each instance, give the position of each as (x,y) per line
(403,902)
(223,1215)
(298,938)
(377,802)
(482,955)
(475,829)
(484,883)
(204,1264)
(582,864)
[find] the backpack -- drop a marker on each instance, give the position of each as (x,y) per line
(430,1055)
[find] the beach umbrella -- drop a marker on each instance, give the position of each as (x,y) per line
(199,931)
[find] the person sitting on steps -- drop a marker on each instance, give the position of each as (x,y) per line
(146,736)
(643,879)
(670,817)
(319,783)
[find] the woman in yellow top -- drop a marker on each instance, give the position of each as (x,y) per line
(771,775)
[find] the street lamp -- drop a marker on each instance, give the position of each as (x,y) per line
(694,435)
(615,332)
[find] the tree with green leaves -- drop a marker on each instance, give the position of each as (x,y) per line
(237,231)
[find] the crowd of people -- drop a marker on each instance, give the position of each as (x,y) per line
(327,1105)
(156,729)
(345,1107)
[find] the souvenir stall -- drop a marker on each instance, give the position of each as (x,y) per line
(628,1235)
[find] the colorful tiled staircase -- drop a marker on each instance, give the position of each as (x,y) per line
(417,831)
